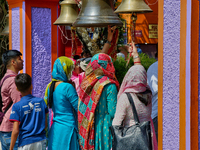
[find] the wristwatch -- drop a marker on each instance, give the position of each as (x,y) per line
(109,42)
(136,57)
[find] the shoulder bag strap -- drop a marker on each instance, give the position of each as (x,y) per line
(133,108)
(6,77)
(8,107)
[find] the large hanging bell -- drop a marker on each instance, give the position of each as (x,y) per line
(6,29)
(97,13)
(133,6)
(68,14)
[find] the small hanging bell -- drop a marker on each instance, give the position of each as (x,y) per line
(133,6)
(68,14)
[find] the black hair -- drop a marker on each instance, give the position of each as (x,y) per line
(23,82)
(86,52)
(52,86)
(76,57)
(6,58)
(10,54)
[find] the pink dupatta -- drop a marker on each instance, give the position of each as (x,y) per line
(135,81)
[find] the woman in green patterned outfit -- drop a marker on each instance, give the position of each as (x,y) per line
(97,104)
(104,115)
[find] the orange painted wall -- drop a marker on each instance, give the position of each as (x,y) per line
(160,73)
(182,79)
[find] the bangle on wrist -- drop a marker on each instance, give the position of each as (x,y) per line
(136,57)
(109,42)
(137,62)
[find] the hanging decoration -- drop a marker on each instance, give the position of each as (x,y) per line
(63,34)
(89,43)
(96,42)
(74,41)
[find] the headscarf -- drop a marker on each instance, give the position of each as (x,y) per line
(99,72)
(135,80)
(62,71)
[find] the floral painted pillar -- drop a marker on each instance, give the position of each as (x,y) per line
(31,31)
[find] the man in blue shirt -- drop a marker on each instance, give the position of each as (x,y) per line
(29,117)
(152,80)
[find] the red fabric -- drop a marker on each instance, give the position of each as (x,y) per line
(113,49)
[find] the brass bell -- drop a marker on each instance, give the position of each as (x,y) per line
(133,6)
(68,14)
(97,13)
(6,29)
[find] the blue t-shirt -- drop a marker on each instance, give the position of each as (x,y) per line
(30,112)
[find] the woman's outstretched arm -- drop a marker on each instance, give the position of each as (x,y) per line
(133,51)
(106,46)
